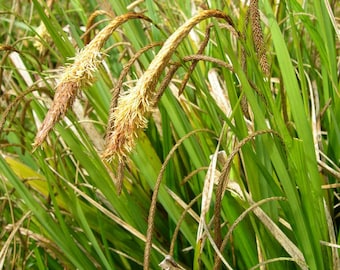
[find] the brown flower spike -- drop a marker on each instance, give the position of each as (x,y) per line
(79,74)
(258,36)
(129,116)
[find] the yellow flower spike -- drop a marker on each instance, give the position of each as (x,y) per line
(79,74)
(129,115)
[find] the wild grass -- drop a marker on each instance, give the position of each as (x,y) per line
(160,135)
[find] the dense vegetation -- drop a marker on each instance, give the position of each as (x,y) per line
(169,134)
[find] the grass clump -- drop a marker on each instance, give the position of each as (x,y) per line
(169,135)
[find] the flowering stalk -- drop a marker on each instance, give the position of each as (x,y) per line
(79,74)
(129,116)
(258,36)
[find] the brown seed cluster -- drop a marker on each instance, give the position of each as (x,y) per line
(258,36)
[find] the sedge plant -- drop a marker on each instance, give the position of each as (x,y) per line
(156,135)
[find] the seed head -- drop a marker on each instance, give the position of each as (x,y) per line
(129,115)
(78,75)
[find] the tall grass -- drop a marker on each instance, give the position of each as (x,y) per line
(160,135)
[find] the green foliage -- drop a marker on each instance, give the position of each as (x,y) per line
(275,160)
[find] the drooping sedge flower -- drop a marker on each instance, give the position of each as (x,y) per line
(129,116)
(79,74)
(258,36)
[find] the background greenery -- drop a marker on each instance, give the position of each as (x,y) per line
(279,210)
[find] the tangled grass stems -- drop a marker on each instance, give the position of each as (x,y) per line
(129,115)
(13,106)
(178,225)
(169,258)
(118,220)
(79,74)
(194,62)
(200,51)
(208,186)
(153,206)
(51,248)
(222,183)
(282,238)
(221,63)
(6,245)
(243,215)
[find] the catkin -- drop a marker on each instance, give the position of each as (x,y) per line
(129,116)
(258,36)
(79,74)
